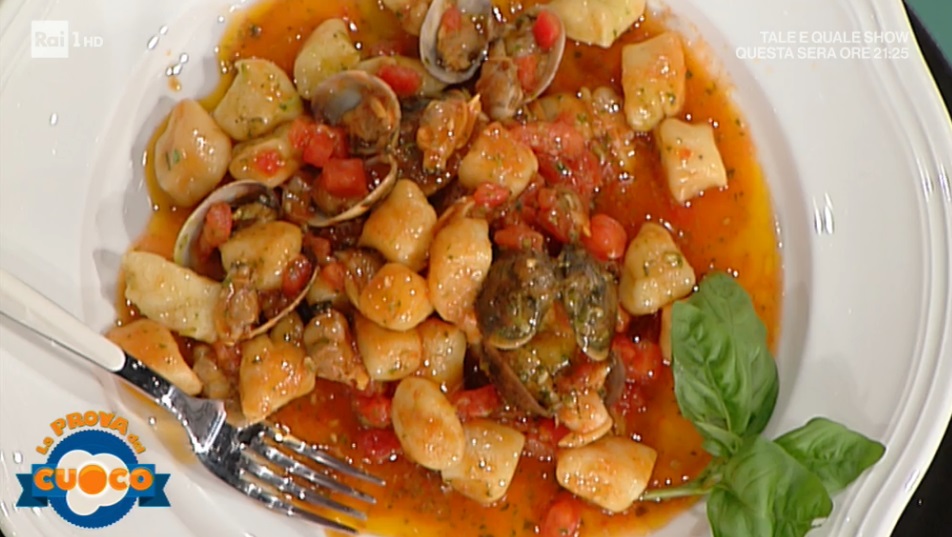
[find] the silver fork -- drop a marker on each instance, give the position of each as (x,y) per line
(262,460)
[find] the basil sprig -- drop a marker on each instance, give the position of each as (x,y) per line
(726,384)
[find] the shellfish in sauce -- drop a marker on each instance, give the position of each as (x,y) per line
(589,165)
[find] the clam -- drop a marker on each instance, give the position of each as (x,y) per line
(519,67)
(590,296)
(235,194)
(368,111)
(518,292)
(252,203)
(455,37)
(364,105)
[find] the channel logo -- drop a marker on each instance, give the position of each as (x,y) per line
(92,479)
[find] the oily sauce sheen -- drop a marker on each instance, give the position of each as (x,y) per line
(730,230)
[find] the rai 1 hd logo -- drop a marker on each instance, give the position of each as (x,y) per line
(91,476)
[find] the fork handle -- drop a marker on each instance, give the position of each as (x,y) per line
(24,304)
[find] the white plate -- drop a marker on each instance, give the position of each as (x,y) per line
(856,152)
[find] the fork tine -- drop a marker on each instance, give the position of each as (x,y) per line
(287,485)
(275,503)
(274,455)
(286,439)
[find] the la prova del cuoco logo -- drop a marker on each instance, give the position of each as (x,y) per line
(92,476)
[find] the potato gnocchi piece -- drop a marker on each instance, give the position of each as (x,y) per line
(655,273)
(426,424)
(327,51)
(430,86)
(269,160)
(289,329)
(266,248)
(154,345)
(259,99)
(191,154)
(444,352)
(329,343)
(460,257)
(174,296)
(597,22)
(611,473)
(272,375)
(401,227)
(396,298)
(497,157)
(653,77)
(215,384)
(489,461)
(692,163)
(387,354)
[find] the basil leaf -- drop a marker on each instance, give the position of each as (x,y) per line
(766,492)
(834,453)
(725,378)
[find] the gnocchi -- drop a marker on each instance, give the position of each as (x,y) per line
(387,354)
(260,98)
(611,472)
(266,248)
(460,257)
(497,157)
(444,352)
(272,375)
(426,424)
(327,51)
(690,158)
(396,298)
(597,22)
(154,345)
(270,160)
(401,227)
(653,78)
(489,461)
(174,296)
(191,154)
(655,273)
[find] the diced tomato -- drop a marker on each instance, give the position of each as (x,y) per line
(477,403)
(296,275)
(642,360)
(217,228)
(319,149)
(268,161)
(344,178)
(373,410)
(563,519)
(557,138)
(519,237)
(378,445)
(334,274)
(490,195)
(404,81)
(452,20)
(546,29)
(527,68)
(608,239)
(300,133)
(319,247)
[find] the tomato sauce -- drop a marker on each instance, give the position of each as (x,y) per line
(730,230)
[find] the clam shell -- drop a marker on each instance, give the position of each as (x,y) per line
(341,93)
(430,29)
(376,195)
(235,192)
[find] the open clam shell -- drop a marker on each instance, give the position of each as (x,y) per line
(364,106)
(455,56)
(235,193)
(551,58)
(379,192)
